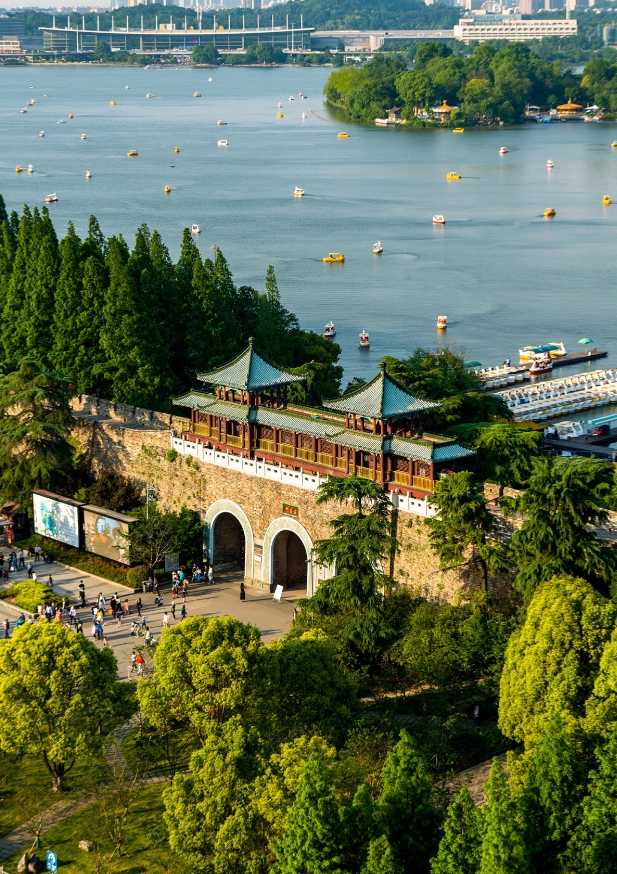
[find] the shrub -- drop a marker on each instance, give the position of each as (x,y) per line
(29,594)
(136,575)
(172,454)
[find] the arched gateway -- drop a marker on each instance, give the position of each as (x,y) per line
(230,536)
(287,555)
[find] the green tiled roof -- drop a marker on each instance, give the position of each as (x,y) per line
(249,371)
(382,398)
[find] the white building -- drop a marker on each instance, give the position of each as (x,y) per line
(513,29)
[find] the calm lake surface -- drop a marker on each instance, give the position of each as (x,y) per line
(505,276)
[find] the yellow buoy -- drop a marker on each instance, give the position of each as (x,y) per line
(176,150)
(167,189)
(606,200)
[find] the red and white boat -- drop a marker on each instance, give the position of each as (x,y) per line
(542,364)
(51,198)
(364,340)
(439,220)
(329,330)
(442,322)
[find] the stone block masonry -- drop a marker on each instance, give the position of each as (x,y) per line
(137,443)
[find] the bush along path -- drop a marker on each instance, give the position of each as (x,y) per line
(26,834)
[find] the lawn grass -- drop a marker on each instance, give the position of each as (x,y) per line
(145,847)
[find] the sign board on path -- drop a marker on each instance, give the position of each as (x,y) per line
(172,562)
(278,592)
(52,862)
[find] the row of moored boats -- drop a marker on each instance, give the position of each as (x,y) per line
(545,400)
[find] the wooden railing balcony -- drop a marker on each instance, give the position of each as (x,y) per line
(305,454)
(233,441)
(325,460)
(424,482)
(214,433)
(202,430)
(365,472)
(403,479)
(266,445)
(341,463)
(286,449)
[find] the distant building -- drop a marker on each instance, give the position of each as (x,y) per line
(512,28)
(15,26)
(10,45)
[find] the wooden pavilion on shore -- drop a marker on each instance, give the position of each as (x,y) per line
(375,431)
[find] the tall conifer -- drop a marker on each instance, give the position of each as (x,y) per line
(15,300)
(68,304)
(459,849)
(90,356)
(4,216)
(381,859)
(95,243)
(503,848)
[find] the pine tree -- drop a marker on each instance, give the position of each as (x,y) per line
(95,244)
(68,304)
(40,302)
(405,808)
(313,842)
(169,307)
(275,322)
(189,256)
(15,300)
(360,825)
(4,216)
(7,253)
(381,859)
(503,848)
(459,848)
(90,357)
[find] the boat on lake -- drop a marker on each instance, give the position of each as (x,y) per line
(23,110)
(343,136)
(195,229)
(333,258)
(542,364)
(70,115)
(549,213)
(364,340)
(503,150)
(132,154)
(377,248)
(554,350)
(83,136)
(42,133)
(197,94)
(19,169)
(220,122)
(223,143)
(30,168)
(51,198)
(442,322)
(279,114)
(112,102)
(550,164)
(88,174)
(606,200)
(31,103)
(451,176)
(167,189)
(329,330)
(458,130)
(149,96)
(298,192)
(439,220)
(304,115)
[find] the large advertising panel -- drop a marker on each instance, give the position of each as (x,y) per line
(56,518)
(105,533)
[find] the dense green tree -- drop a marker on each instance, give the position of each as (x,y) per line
(4,216)
(504,452)
(461,532)
(563,499)
(381,858)
(35,423)
(67,304)
(38,317)
(89,366)
(56,690)
(459,848)
(602,703)
(503,849)
(552,660)
(207,54)
(13,341)
(313,842)
(95,244)
(156,533)
(405,809)
(415,90)
(113,491)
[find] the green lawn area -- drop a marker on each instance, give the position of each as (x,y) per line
(145,847)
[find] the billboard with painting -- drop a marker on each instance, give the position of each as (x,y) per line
(56,517)
(105,533)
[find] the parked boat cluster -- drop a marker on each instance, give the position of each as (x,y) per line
(544,400)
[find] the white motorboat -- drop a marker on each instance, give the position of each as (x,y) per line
(280,104)
(210,79)
(223,143)
(51,198)
(195,229)
(83,136)
(364,340)
(23,110)
(550,164)
(298,192)
(31,103)
(329,330)
(377,248)
(30,168)
(439,220)
(126,87)
(292,97)
(304,115)
(42,133)
(220,122)
(149,96)
(503,150)
(88,174)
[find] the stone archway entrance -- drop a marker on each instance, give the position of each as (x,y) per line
(229,543)
(289,561)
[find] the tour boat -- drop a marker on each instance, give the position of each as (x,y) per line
(45,95)
(554,350)
(18,169)
(279,114)
(83,136)
(364,340)
(223,143)
(542,364)
(132,154)
(606,200)
(377,248)
(550,164)
(304,115)
(197,94)
(30,168)
(548,213)
(503,150)
(298,192)
(220,122)
(51,198)
(439,220)
(292,97)
(458,130)
(42,133)
(442,322)
(333,258)
(210,79)
(167,189)
(451,176)
(61,121)
(88,174)
(23,110)
(329,330)
(176,150)
(195,229)
(126,87)
(343,136)
(148,96)
(614,145)
(70,115)
(112,102)
(31,103)
(280,105)
(301,95)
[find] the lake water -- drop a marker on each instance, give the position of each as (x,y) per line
(505,276)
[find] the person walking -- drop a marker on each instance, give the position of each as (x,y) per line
(127,607)
(242,592)
(165,620)
(50,582)
(105,642)
(183,612)
(94,632)
(133,661)
(22,558)
(173,610)
(37,553)
(6,625)
(82,593)
(138,606)
(140,662)
(119,618)
(476,715)
(143,625)
(79,626)
(134,628)
(148,636)
(72,615)
(30,570)
(113,604)
(210,576)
